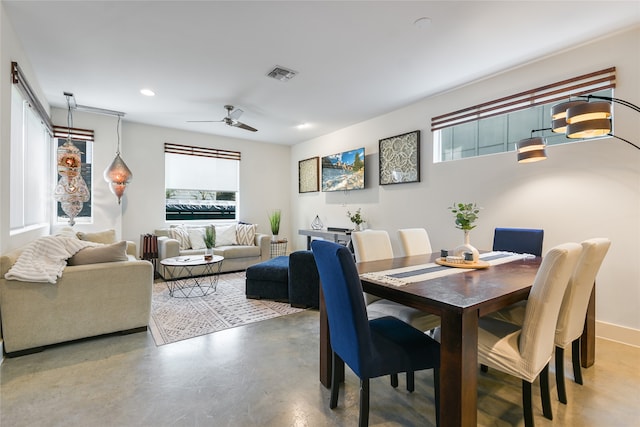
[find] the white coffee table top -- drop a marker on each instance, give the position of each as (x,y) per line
(190,260)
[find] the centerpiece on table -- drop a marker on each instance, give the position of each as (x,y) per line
(357,219)
(465,214)
(209,242)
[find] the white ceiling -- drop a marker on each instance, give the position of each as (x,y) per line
(356,59)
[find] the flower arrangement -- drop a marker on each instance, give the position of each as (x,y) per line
(356,217)
(466,214)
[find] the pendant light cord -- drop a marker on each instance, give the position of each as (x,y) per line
(118,133)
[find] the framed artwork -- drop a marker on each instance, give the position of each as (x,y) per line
(308,176)
(400,158)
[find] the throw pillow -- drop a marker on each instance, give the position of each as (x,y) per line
(246,234)
(226,235)
(180,234)
(196,236)
(98,254)
(106,237)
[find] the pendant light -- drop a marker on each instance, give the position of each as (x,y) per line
(118,175)
(71,190)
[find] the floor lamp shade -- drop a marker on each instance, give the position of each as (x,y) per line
(118,175)
(531,150)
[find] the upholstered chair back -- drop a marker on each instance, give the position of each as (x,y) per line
(518,240)
(371,245)
(576,298)
(543,306)
(415,241)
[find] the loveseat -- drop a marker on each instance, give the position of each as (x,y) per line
(239,244)
(87,300)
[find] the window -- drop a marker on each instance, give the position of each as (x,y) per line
(496,126)
(201,183)
(30,169)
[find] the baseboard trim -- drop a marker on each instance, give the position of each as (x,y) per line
(618,333)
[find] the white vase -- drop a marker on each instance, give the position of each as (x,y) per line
(466,247)
(357,227)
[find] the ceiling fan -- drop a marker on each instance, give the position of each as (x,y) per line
(232,119)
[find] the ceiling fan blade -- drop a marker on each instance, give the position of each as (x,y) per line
(203,121)
(243,126)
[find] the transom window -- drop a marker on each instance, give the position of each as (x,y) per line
(496,126)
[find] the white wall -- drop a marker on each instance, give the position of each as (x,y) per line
(264,177)
(583,190)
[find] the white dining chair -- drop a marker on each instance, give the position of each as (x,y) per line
(525,351)
(415,241)
(374,245)
(572,311)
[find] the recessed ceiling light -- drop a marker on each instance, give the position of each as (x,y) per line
(303,125)
(147,92)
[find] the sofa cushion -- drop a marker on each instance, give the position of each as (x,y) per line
(106,237)
(226,235)
(246,234)
(98,254)
(180,233)
(196,237)
(237,251)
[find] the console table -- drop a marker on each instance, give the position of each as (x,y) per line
(343,237)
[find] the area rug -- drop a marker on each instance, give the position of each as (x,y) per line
(176,319)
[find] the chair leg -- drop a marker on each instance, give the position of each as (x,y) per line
(411,385)
(436,393)
(364,403)
(394,380)
(526,403)
(335,383)
(562,393)
(575,358)
(544,393)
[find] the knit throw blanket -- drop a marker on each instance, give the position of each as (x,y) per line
(44,259)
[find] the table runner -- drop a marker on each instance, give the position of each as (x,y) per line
(417,273)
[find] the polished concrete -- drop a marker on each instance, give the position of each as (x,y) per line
(266,374)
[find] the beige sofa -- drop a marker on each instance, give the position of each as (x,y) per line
(236,256)
(88,300)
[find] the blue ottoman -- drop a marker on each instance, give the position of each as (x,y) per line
(269,280)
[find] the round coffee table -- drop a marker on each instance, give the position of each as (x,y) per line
(182,281)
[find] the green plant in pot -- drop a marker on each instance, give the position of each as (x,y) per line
(465,215)
(274,222)
(209,242)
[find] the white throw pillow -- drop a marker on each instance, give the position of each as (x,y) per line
(226,235)
(196,236)
(181,235)
(246,234)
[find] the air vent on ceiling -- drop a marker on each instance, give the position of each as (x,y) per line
(282,74)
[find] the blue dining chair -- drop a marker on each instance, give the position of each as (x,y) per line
(371,348)
(518,240)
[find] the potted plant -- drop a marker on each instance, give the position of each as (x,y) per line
(274,223)
(465,215)
(209,242)
(356,218)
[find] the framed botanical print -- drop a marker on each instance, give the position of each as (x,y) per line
(400,158)
(308,175)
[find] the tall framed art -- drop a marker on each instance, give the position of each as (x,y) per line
(308,175)
(400,158)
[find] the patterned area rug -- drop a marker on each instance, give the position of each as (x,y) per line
(176,319)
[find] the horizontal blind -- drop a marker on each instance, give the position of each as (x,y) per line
(73,133)
(559,91)
(189,150)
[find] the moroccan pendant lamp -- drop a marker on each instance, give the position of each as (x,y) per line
(71,190)
(118,175)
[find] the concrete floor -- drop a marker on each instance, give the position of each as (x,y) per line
(266,374)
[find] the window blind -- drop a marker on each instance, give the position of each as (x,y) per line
(555,92)
(74,133)
(189,150)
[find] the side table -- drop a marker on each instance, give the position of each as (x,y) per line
(278,248)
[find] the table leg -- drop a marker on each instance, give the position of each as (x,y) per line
(588,339)
(459,369)
(325,348)
(308,243)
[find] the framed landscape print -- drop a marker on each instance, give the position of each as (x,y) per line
(308,176)
(400,158)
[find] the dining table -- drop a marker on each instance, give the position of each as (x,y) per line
(460,298)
